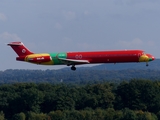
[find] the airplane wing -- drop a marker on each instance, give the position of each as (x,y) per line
(73,61)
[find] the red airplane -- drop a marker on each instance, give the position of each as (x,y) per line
(77,58)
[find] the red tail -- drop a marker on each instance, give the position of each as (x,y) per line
(20,49)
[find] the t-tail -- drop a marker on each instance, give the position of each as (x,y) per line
(20,49)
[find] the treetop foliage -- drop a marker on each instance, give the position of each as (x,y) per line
(129,100)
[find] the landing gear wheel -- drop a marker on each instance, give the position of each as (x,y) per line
(73,68)
(147,64)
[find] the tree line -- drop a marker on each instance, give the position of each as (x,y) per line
(80,76)
(131,100)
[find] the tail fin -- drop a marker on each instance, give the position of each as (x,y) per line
(20,49)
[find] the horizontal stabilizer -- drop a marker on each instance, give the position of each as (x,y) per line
(15,43)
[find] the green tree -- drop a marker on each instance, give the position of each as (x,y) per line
(36,116)
(19,116)
(2,117)
(64,99)
(129,114)
(110,114)
(87,114)
(57,115)
(146,116)
(74,115)
(138,95)
(31,99)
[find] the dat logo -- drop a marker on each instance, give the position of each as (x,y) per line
(78,56)
(23,51)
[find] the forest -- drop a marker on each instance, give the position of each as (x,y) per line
(136,99)
(80,76)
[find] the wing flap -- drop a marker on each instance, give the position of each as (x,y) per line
(71,61)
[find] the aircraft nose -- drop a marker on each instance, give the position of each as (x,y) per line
(153,58)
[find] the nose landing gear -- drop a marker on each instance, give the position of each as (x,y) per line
(147,64)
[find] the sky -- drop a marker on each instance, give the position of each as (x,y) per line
(46,26)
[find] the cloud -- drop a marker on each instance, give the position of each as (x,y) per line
(86,12)
(3,17)
(69,15)
(58,26)
(68,44)
(84,46)
(134,42)
(9,37)
(67,40)
(150,43)
(75,45)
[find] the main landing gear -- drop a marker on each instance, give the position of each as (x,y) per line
(73,68)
